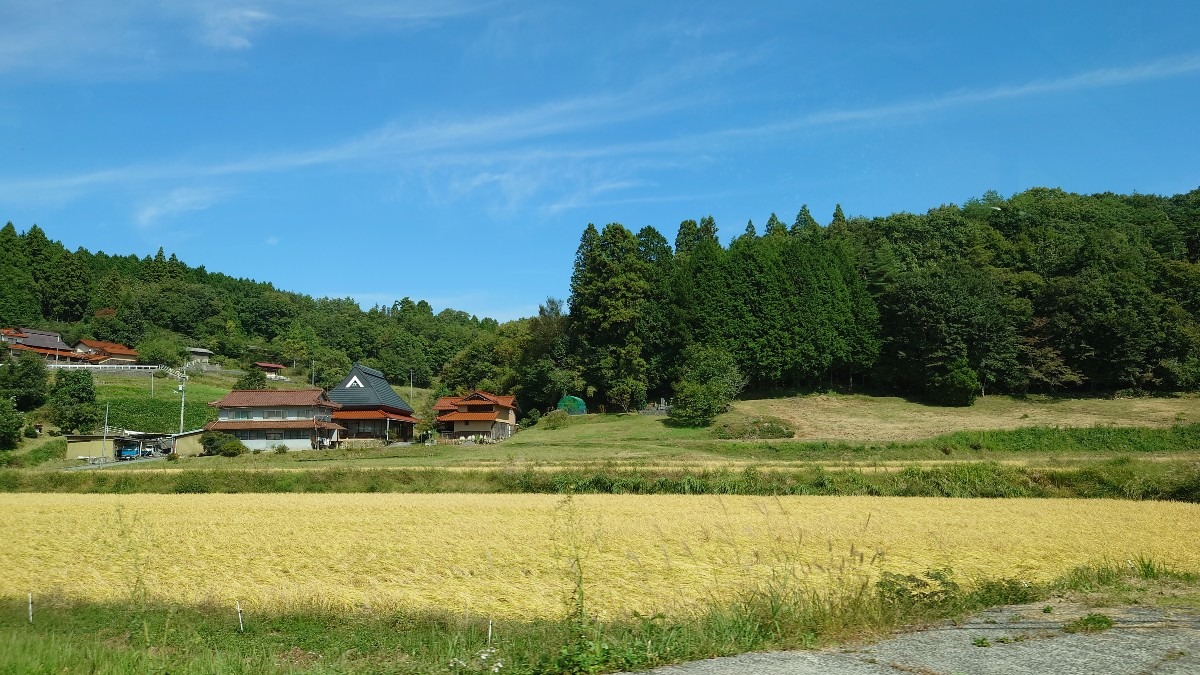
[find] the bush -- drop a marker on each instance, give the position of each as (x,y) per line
(31,432)
(752,428)
(696,404)
(11,423)
(72,399)
(556,420)
(162,350)
(221,443)
(532,420)
(956,385)
(280,449)
(710,382)
(253,379)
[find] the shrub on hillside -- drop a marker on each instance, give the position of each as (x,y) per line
(11,423)
(532,419)
(954,384)
(72,400)
(555,420)
(753,428)
(710,382)
(253,379)
(162,350)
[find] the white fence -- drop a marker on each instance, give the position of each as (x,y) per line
(92,366)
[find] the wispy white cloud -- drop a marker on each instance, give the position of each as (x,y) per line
(1093,79)
(177,201)
(83,38)
(545,149)
(231,28)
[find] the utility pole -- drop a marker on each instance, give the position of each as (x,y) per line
(104,443)
(182,399)
(410,398)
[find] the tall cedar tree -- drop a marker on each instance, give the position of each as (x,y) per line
(609,294)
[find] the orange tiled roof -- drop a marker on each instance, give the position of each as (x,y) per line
(12,332)
(114,348)
(272,366)
(452,402)
(260,398)
(446,403)
(65,353)
(255,425)
(371,415)
(468,417)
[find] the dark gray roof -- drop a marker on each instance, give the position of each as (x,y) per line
(43,339)
(366,388)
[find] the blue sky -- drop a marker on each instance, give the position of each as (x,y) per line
(455,150)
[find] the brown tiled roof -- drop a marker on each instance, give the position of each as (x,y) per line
(452,402)
(255,425)
(264,364)
(12,332)
(446,403)
(468,417)
(260,398)
(114,348)
(64,353)
(372,415)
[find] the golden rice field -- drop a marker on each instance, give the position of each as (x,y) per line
(511,555)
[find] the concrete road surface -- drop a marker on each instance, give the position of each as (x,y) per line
(1008,640)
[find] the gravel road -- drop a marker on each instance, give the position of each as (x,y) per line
(1019,639)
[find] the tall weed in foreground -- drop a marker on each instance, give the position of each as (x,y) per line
(782,612)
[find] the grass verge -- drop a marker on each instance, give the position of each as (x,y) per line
(1119,478)
(138,635)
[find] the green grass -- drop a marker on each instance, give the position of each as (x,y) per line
(1120,478)
(632,440)
(35,452)
(137,635)
(131,405)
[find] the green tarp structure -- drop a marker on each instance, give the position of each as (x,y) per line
(573,405)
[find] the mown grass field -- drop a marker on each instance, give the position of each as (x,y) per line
(515,555)
(885,418)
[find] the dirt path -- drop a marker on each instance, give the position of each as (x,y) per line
(1009,640)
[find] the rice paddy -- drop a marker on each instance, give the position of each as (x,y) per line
(520,555)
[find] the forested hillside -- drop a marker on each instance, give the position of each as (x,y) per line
(161,305)
(1045,291)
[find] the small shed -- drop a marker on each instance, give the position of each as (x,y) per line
(269,368)
(187,443)
(199,354)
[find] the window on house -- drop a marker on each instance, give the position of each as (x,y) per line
(241,414)
(274,414)
(274,435)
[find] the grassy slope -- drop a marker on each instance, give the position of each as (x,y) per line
(883,418)
(132,404)
(875,432)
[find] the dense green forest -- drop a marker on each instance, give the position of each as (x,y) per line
(161,306)
(1045,291)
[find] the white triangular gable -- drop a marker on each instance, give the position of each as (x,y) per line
(355,382)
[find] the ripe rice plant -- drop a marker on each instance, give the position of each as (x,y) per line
(515,555)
